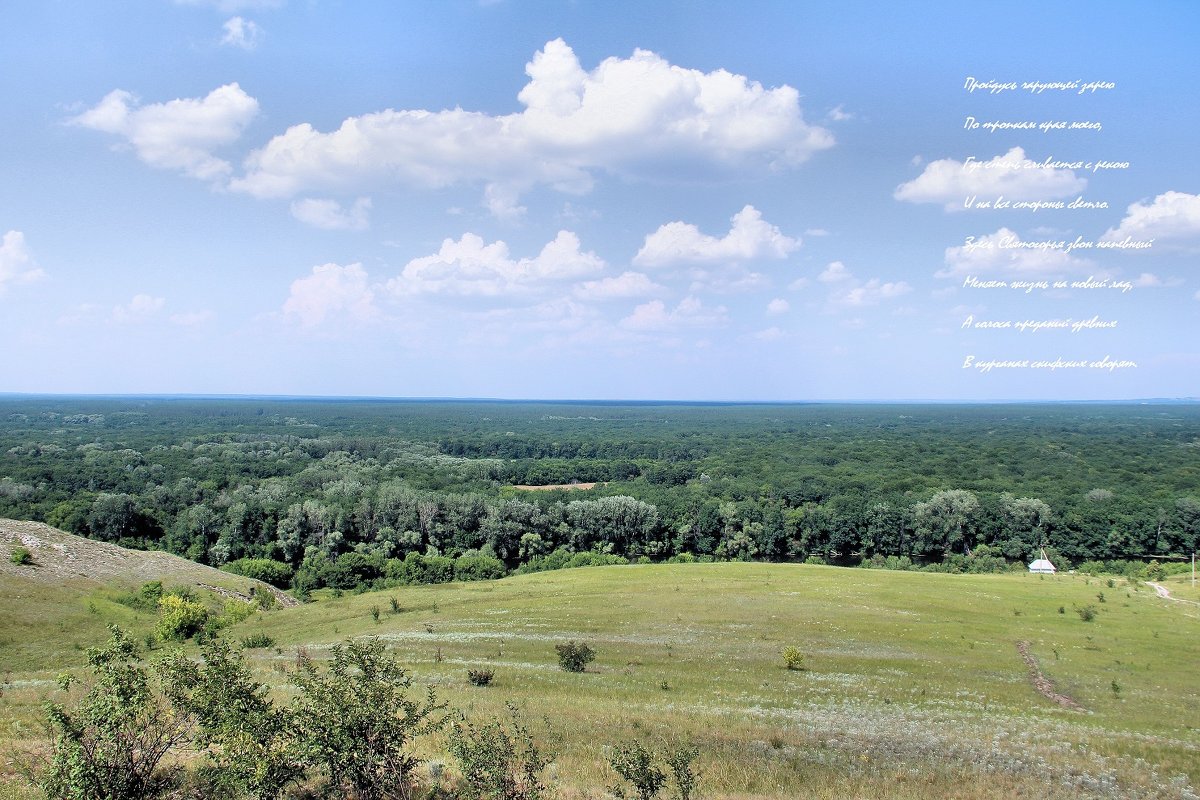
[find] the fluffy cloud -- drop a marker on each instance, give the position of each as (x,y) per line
(141,308)
(778,306)
(848,291)
(180,134)
(1172,215)
(1013,175)
(331,290)
(835,272)
(869,293)
(627,284)
(1005,253)
(329,214)
(471,267)
(691,312)
(628,115)
(750,237)
(240,32)
(17,265)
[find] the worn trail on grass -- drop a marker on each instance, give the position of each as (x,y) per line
(1165,593)
(1041,682)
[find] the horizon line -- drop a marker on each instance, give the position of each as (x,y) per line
(592,400)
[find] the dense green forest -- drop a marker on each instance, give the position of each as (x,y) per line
(344,493)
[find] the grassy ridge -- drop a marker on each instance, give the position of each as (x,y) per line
(913,688)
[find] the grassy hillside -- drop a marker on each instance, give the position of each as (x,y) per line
(913,687)
(62,602)
(914,684)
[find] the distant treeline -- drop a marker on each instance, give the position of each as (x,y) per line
(346,494)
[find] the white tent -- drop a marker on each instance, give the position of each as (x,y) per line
(1043,565)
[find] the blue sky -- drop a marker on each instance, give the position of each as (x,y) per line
(647,200)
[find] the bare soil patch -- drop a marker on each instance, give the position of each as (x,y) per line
(1043,684)
(60,557)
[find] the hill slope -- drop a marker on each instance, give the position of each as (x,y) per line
(916,684)
(63,601)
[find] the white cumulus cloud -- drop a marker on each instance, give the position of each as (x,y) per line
(848,291)
(691,312)
(471,267)
(628,115)
(329,214)
(1003,253)
(17,265)
(835,272)
(627,284)
(331,291)
(179,134)
(1012,174)
(750,237)
(778,306)
(1172,215)
(242,33)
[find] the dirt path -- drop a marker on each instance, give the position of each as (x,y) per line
(1165,594)
(1042,683)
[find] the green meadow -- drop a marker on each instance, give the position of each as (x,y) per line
(912,684)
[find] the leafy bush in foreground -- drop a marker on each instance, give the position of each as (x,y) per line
(112,744)
(498,762)
(356,721)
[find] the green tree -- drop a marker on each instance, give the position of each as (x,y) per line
(946,522)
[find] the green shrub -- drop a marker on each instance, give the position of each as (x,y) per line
(480,677)
(641,767)
(247,743)
(793,658)
(256,640)
(498,762)
(1086,613)
(478,568)
(686,777)
(356,721)
(145,598)
(636,764)
(232,612)
(113,742)
(180,618)
(574,657)
(21,557)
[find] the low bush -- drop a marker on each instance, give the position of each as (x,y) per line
(498,761)
(574,657)
(256,640)
(636,764)
(480,677)
(640,766)
(21,557)
(180,618)
(793,658)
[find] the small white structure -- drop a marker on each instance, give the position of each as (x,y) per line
(1043,565)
